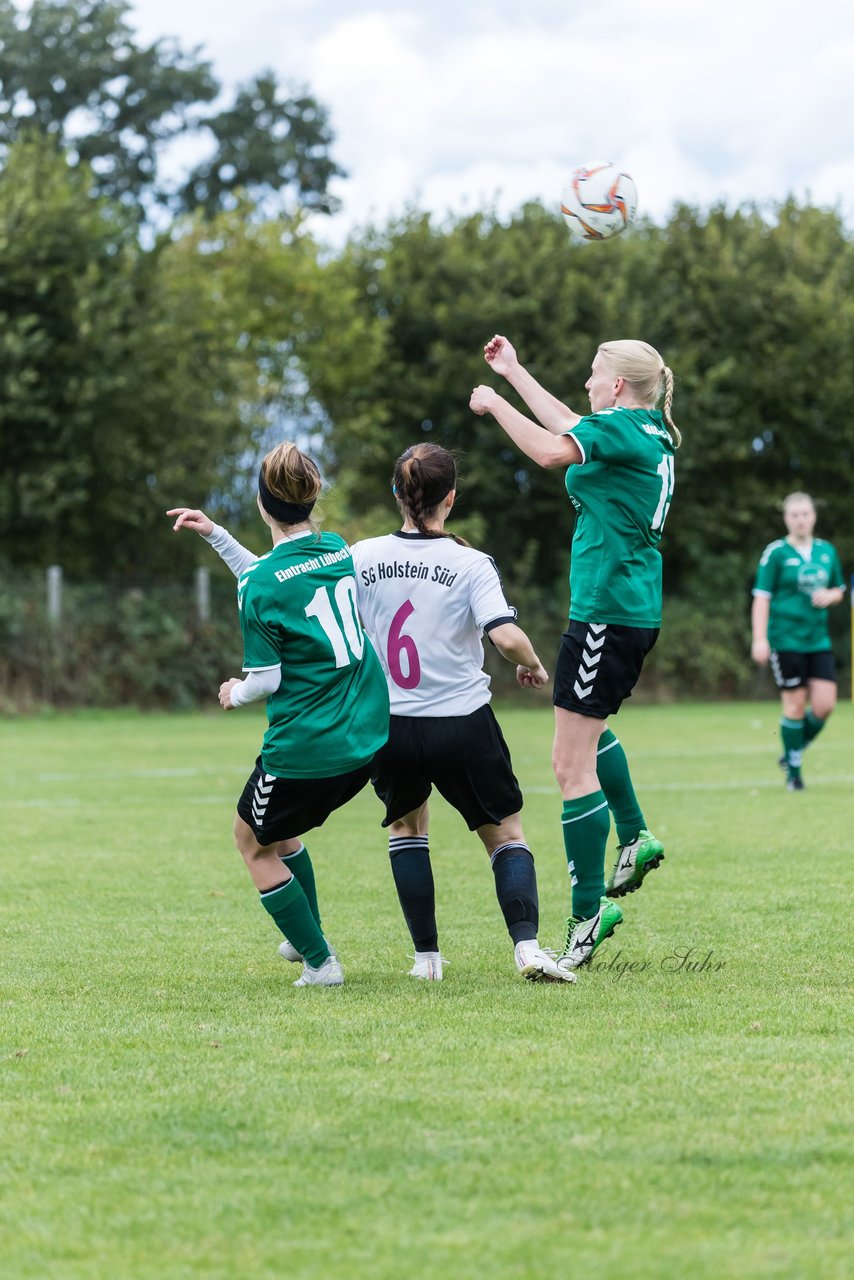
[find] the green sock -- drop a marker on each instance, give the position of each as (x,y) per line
(812,727)
(612,769)
(586,824)
(299,864)
(289,907)
(792,733)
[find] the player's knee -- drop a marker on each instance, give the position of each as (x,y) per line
(565,770)
(244,840)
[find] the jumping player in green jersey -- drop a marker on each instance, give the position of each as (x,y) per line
(798,579)
(327,700)
(620,481)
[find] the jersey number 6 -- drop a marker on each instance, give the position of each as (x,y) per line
(399,644)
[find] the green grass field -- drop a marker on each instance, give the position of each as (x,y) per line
(172,1107)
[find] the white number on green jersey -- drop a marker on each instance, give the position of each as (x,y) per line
(341,624)
(666,470)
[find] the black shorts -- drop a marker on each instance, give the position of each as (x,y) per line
(465,757)
(792,670)
(283,808)
(598,666)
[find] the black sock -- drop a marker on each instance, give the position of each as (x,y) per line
(516,889)
(413,877)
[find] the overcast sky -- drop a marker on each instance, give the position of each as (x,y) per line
(453,104)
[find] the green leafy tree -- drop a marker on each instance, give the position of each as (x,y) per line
(266,141)
(74,69)
(122,381)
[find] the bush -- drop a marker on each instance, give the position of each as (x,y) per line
(115,646)
(143,645)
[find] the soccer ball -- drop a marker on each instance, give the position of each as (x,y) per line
(598,201)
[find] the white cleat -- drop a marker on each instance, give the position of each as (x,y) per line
(524,953)
(428,965)
(542,967)
(330,974)
(546,966)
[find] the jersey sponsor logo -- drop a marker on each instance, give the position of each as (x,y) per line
(385,571)
(318,562)
(811,577)
(652,430)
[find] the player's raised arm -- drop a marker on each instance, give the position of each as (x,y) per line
(552,413)
(540,446)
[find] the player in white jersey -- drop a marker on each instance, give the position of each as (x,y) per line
(426,598)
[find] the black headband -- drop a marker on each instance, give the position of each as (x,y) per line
(281,511)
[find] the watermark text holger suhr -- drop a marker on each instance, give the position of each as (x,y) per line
(679,960)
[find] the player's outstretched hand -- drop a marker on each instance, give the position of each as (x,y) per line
(225,693)
(532,677)
(191,518)
(500,355)
(483,400)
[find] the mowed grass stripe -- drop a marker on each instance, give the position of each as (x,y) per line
(171,1106)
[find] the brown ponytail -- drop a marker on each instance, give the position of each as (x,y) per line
(424,474)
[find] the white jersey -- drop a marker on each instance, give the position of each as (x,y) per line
(425,602)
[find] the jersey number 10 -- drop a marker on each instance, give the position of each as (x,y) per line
(345,636)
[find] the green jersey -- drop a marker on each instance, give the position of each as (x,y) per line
(789,577)
(297,606)
(621,491)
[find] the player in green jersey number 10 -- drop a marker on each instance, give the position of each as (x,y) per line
(798,579)
(327,702)
(620,481)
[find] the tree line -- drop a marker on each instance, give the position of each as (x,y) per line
(150,359)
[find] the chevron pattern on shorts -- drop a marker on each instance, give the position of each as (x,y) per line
(261,798)
(590,658)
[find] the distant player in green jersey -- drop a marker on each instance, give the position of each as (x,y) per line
(327,700)
(798,579)
(620,481)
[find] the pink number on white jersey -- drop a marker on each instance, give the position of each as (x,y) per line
(398,644)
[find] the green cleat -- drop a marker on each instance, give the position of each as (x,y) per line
(583,937)
(634,862)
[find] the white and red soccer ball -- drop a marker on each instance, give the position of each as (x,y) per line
(598,202)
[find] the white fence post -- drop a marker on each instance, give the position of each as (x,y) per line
(203,594)
(54,593)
